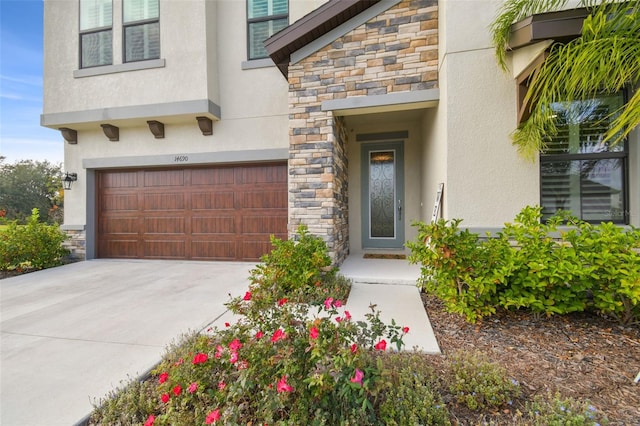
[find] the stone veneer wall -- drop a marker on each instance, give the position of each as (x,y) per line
(76,244)
(397,51)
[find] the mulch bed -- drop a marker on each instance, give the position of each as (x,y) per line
(583,356)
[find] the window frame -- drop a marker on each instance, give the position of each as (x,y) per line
(140,22)
(89,31)
(265,18)
(622,155)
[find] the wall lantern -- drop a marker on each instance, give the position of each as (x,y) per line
(69,135)
(206,125)
(156,128)
(112,132)
(68,178)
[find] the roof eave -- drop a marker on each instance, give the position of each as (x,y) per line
(562,26)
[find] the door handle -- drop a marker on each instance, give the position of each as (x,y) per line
(399,210)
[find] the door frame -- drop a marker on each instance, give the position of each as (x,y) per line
(398,241)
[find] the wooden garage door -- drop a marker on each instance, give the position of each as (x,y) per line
(221,213)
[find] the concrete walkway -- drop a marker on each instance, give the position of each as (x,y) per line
(69,335)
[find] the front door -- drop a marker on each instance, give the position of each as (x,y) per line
(383,195)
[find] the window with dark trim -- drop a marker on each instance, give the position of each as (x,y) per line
(141,30)
(264,18)
(578,171)
(96,33)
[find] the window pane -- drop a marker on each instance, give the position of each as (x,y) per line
(264,8)
(142,42)
(591,189)
(96,49)
(581,125)
(95,14)
(138,10)
(259,32)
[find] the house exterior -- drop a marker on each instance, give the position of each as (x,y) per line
(193,139)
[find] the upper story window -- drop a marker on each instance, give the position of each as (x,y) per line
(578,171)
(141,30)
(264,18)
(96,33)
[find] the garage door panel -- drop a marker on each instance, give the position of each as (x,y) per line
(164,249)
(213,177)
(119,202)
(164,225)
(164,202)
(219,200)
(118,226)
(214,250)
(164,178)
(213,225)
(204,213)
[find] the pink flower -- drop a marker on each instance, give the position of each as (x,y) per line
(354,348)
(177,390)
(357,378)
(381,345)
(338,320)
(219,351)
(405,330)
(150,420)
(347,315)
(243,365)
(247,296)
(278,335)
(200,358)
(234,357)
(282,301)
(192,387)
(337,303)
(179,362)
(164,397)
(328,303)
(283,386)
(235,345)
(163,377)
(313,333)
(221,385)
(259,335)
(213,416)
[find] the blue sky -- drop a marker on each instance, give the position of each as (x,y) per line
(21,137)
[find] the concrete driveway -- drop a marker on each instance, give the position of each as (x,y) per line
(70,334)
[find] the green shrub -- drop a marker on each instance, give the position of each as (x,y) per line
(543,267)
(478,384)
(553,410)
(34,245)
(409,393)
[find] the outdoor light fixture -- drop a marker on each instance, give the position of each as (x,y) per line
(69,135)
(206,125)
(68,178)
(112,132)
(157,128)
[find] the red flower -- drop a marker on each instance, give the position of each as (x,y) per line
(347,315)
(200,358)
(358,376)
(165,397)
(354,348)
(381,345)
(328,302)
(337,303)
(163,377)
(405,330)
(259,335)
(278,335)
(226,324)
(234,357)
(235,345)
(313,333)
(283,386)
(177,390)
(221,385)
(247,296)
(282,301)
(338,320)
(150,420)
(193,387)
(213,416)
